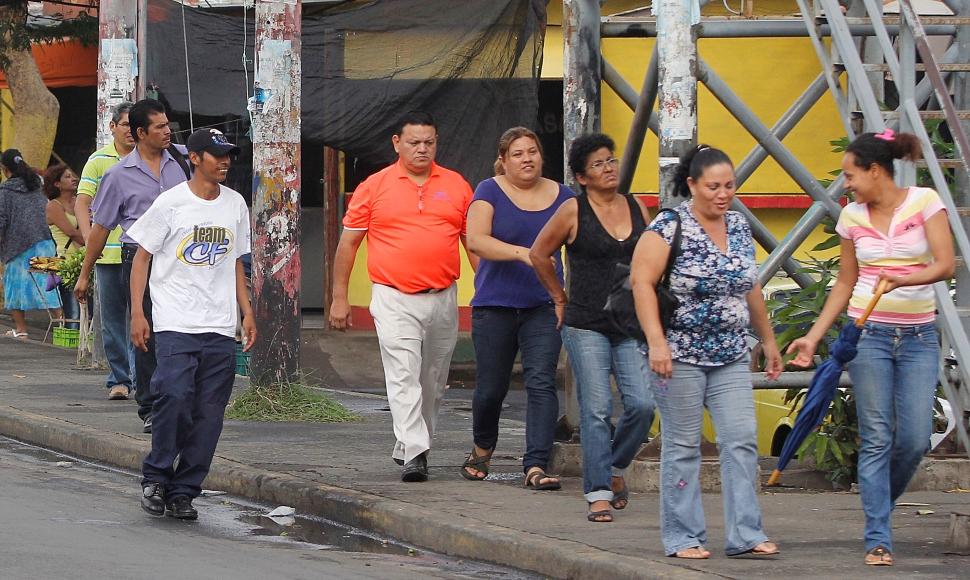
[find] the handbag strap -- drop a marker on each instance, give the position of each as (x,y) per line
(674,250)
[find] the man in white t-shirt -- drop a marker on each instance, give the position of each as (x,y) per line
(194,235)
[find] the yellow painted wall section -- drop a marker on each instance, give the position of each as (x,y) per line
(360,284)
(768,75)
(6,120)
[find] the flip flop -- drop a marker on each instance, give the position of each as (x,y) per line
(879,556)
(534,477)
(479,463)
(688,554)
(773,551)
(15,334)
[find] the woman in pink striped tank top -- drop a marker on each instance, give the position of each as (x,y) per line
(900,235)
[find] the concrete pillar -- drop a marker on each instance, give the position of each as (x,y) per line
(582,78)
(677,94)
(275,109)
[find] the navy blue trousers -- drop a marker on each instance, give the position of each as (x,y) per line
(191,387)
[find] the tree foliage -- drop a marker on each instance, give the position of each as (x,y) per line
(16,35)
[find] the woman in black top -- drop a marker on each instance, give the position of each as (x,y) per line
(599,228)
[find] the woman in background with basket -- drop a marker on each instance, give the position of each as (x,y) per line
(60,186)
(701,360)
(23,235)
(899,236)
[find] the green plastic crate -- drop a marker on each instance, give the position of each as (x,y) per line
(242,361)
(66,337)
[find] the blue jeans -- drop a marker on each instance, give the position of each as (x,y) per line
(113,299)
(192,385)
(894,379)
(726,392)
(498,333)
(593,356)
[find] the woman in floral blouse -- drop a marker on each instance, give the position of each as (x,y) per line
(702,360)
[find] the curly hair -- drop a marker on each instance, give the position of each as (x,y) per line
(583,147)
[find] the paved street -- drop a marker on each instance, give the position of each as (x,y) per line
(82,521)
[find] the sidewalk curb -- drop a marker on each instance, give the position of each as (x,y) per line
(467,538)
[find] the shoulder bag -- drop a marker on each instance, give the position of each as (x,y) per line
(620,307)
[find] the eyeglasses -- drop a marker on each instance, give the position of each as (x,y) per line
(599,165)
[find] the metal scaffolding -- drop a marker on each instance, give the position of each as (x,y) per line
(846,75)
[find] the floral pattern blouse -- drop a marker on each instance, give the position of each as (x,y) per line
(709,326)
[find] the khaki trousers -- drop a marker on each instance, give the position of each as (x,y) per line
(417,334)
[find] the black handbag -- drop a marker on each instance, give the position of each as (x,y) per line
(620,308)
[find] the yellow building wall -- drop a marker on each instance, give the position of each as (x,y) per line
(6,120)
(768,74)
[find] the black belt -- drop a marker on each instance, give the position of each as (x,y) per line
(422,291)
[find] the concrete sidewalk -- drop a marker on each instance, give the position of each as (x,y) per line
(343,472)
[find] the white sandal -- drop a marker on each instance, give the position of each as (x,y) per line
(15,334)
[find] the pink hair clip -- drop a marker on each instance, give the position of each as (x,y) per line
(887,135)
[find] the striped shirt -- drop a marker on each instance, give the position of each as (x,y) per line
(902,251)
(91,175)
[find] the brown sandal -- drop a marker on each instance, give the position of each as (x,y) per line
(599,516)
(534,477)
(479,463)
(879,556)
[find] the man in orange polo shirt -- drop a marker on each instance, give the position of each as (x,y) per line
(413,215)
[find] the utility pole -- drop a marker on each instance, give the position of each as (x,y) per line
(677,94)
(275,109)
(582,77)
(118,72)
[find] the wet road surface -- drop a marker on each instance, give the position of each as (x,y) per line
(64,518)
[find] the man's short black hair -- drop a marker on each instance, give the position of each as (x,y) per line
(139,116)
(415,118)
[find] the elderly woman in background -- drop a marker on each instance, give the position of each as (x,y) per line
(511,311)
(702,360)
(60,186)
(23,235)
(599,228)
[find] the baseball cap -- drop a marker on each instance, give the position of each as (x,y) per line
(211,140)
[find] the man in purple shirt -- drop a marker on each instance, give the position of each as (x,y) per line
(126,192)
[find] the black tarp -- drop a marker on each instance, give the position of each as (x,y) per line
(473,64)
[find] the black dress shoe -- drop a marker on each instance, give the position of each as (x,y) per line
(153,499)
(416,469)
(181,507)
(147,428)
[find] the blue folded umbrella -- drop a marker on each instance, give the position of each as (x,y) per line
(822,390)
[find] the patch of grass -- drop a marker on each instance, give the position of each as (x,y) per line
(287,402)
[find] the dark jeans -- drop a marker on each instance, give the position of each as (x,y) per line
(498,334)
(193,383)
(144,361)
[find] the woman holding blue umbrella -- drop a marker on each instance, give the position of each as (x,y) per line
(898,237)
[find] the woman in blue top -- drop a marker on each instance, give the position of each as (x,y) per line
(511,311)
(703,360)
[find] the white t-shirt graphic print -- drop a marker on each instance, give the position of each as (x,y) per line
(195,244)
